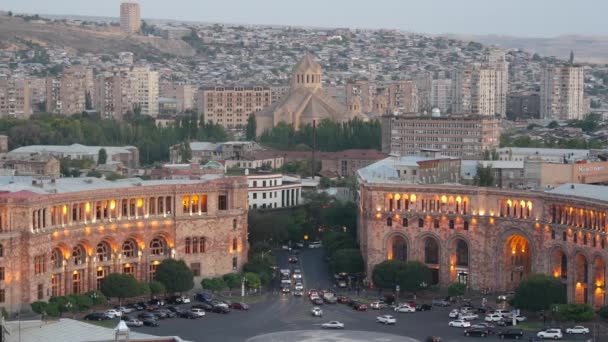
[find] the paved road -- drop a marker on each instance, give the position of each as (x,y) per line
(285,313)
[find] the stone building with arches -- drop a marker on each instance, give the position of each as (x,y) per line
(488,238)
(63,236)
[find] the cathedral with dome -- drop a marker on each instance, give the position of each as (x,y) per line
(305,102)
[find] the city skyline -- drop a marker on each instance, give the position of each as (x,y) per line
(432,17)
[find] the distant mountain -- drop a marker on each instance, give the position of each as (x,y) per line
(590,49)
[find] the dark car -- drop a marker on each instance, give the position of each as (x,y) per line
(136,306)
(188,315)
(221,309)
(156,302)
(161,314)
(174,300)
(511,333)
(343,300)
(318,301)
(175,309)
(360,307)
(203,297)
(239,306)
(146,315)
(484,309)
(389,299)
(150,322)
(476,332)
(505,323)
(140,306)
(205,306)
(352,302)
(96,316)
(424,307)
(293,259)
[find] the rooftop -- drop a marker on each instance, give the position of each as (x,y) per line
(74,148)
(385,170)
(596,192)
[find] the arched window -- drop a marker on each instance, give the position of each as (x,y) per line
(103,251)
(420,223)
(188,247)
(129,248)
(462,253)
(202,244)
(194,245)
(56,258)
(234,245)
(405,222)
(78,255)
(157,246)
(389,221)
(431,251)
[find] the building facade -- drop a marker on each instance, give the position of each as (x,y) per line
(144,87)
(561,93)
(183,94)
(486,238)
(37,165)
(127,155)
(15,99)
(441,95)
(231,106)
(63,237)
(459,136)
(272,191)
(523,105)
(480,90)
(130,17)
(68,94)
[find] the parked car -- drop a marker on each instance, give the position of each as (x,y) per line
(239,306)
(315,244)
(221,309)
(134,322)
(175,309)
(189,315)
(316,311)
(198,312)
(333,325)
(377,305)
(360,307)
(455,313)
(476,332)
(405,308)
(150,322)
(460,323)
(424,307)
(161,314)
(440,302)
(343,300)
(218,303)
(493,318)
(579,329)
(124,309)
(96,316)
(341,283)
(139,306)
(112,313)
(505,296)
(157,302)
(203,297)
(469,316)
(207,306)
(486,326)
(511,333)
(146,315)
(555,334)
(505,322)
(386,319)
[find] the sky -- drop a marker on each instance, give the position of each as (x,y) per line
(524,18)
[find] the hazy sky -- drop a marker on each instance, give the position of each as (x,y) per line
(512,17)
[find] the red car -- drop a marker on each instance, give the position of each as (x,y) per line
(239,306)
(343,300)
(360,307)
(411,303)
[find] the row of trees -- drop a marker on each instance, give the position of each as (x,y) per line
(331,136)
(136,130)
(232,281)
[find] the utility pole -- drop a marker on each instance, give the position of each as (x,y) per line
(314,147)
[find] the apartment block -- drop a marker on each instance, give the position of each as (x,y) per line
(363,96)
(130,17)
(144,84)
(561,93)
(15,99)
(67,94)
(231,106)
(523,105)
(441,95)
(183,94)
(481,90)
(462,136)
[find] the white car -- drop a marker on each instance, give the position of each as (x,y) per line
(550,333)
(185,300)
(316,311)
(469,316)
(123,309)
(405,308)
(134,322)
(314,244)
(333,325)
(386,319)
(579,329)
(198,312)
(299,286)
(502,313)
(454,313)
(460,323)
(113,313)
(493,318)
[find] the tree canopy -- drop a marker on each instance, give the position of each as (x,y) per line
(347,261)
(539,292)
(175,275)
(409,275)
(250,132)
(118,285)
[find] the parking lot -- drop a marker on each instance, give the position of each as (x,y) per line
(286,313)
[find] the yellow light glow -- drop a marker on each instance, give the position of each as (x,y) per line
(65,209)
(378,208)
(413,197)
(556,274)
(513,251)
(481,212)
(112,204)
(140,202)
(444,199)
(378,215)
(87,207)
(397,197)
(156,262)
(55,235)
(100,268)
(75,272)
(458,199)
(491,220)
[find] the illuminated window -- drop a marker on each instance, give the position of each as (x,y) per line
(202,245)
(78,255)
(104,253)
(234,244)
(194,245)
(157,246)
(129,249)
(188,246)
(56,258)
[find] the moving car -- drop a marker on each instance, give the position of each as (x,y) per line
(96,316)
(134,322)
(424,307)
(360,307)
(316,311)
(343,300)
(386,319)
(318,301)
(297,274)
(239,306)
(299,286)
(460,323)
(298,293)
(511,333)
(285,289)
(405,308)
(555,334)
(293,259)
(579,329)
(377,305)
(333,325)
(440,302)
(476,332)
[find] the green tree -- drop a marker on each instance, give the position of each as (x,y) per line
(232,280)
(252,280)
(185,152)
(574,312)
(484,176)
(414,276)
(97,297)
(156,287)
(456,289)
(604,312)
(39,307)
(251,127)
(102,156)
(88,103)
(121,286)
(347,261)
(213,284)
(175,275)
(539,292)
(385,274)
